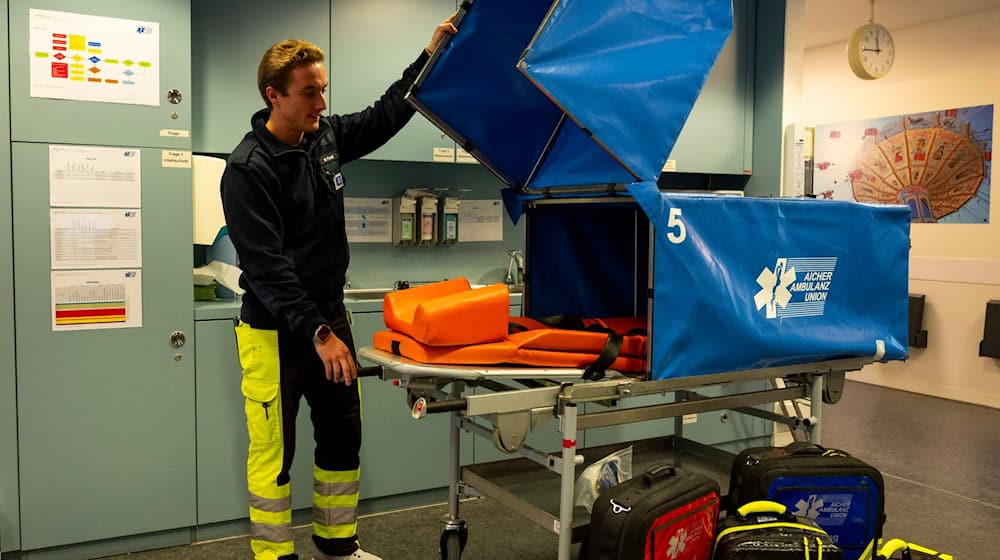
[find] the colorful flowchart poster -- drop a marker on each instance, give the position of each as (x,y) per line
(94,58)
(96,299)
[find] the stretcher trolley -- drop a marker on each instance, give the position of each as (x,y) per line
(575,105)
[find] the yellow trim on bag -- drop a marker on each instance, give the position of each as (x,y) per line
(345,531)
(819,547)
(896,545)
(869,550)
(336,476)
(786,524)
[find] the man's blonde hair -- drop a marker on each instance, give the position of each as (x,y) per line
(275,68)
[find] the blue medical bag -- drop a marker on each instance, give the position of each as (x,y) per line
(842,494)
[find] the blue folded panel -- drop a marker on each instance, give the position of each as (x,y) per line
(572,92)
(746,283)
(582,93)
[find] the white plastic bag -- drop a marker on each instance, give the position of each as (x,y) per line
(595,479)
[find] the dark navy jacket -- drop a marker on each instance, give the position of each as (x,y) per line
(284,208)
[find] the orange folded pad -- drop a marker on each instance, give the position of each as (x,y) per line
(449,313)
(562,340)
(620,325)
(504,352)
(476,354)
(549,358)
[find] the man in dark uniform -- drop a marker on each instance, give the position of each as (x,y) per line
(283,196)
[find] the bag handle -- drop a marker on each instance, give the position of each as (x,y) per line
(761,506)
(755,512)
(658,472)
(806,448)
(899,545)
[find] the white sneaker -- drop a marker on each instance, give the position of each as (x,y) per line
(358,555)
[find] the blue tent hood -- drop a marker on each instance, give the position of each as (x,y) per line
(572,92)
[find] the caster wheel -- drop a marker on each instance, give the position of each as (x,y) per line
(453,543)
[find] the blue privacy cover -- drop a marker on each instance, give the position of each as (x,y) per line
(745,283)
(587,260)
(575,92)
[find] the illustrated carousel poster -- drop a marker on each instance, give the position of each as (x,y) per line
(938,163)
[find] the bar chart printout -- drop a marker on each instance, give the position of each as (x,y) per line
(96,299)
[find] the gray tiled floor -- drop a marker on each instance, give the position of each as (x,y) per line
(939,458)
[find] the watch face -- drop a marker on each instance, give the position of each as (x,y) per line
(322,333)
(875,50)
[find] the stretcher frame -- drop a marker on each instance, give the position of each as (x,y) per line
(506,415)
(517,400)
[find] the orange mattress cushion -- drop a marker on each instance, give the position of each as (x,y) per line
(503,352)
(476,354)
(548,358)
(562,340)
(449,313)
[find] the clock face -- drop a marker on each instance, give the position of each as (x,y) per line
(871,51)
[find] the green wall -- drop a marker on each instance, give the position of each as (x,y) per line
(769,76)
(9,527)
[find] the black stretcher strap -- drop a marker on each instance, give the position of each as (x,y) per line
(596,370)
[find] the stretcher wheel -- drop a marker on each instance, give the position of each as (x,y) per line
(833,387)
(453,543)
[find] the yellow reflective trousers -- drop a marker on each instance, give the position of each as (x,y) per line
(278,369)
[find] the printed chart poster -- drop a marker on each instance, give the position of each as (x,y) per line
(368,220)
(96,299)
(89,177)
(938,163)
(480,220)
(82,238)
(93,58)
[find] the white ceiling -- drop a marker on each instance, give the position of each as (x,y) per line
(832,21)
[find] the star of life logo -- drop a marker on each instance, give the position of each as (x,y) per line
(678,543)
(797,287)
(809,507)
(829,510)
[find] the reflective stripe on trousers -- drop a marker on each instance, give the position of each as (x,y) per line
(335,503)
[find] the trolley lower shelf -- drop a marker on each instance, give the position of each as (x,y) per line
(533,491)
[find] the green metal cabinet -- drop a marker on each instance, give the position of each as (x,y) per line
(398,454)
(228,39)
(10,536)
(372,42)
(105,417)
(222,430)
(74,122)
(717,137)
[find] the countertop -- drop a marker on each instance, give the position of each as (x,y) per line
(230,308)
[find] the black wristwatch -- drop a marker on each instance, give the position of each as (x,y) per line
(322,334)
